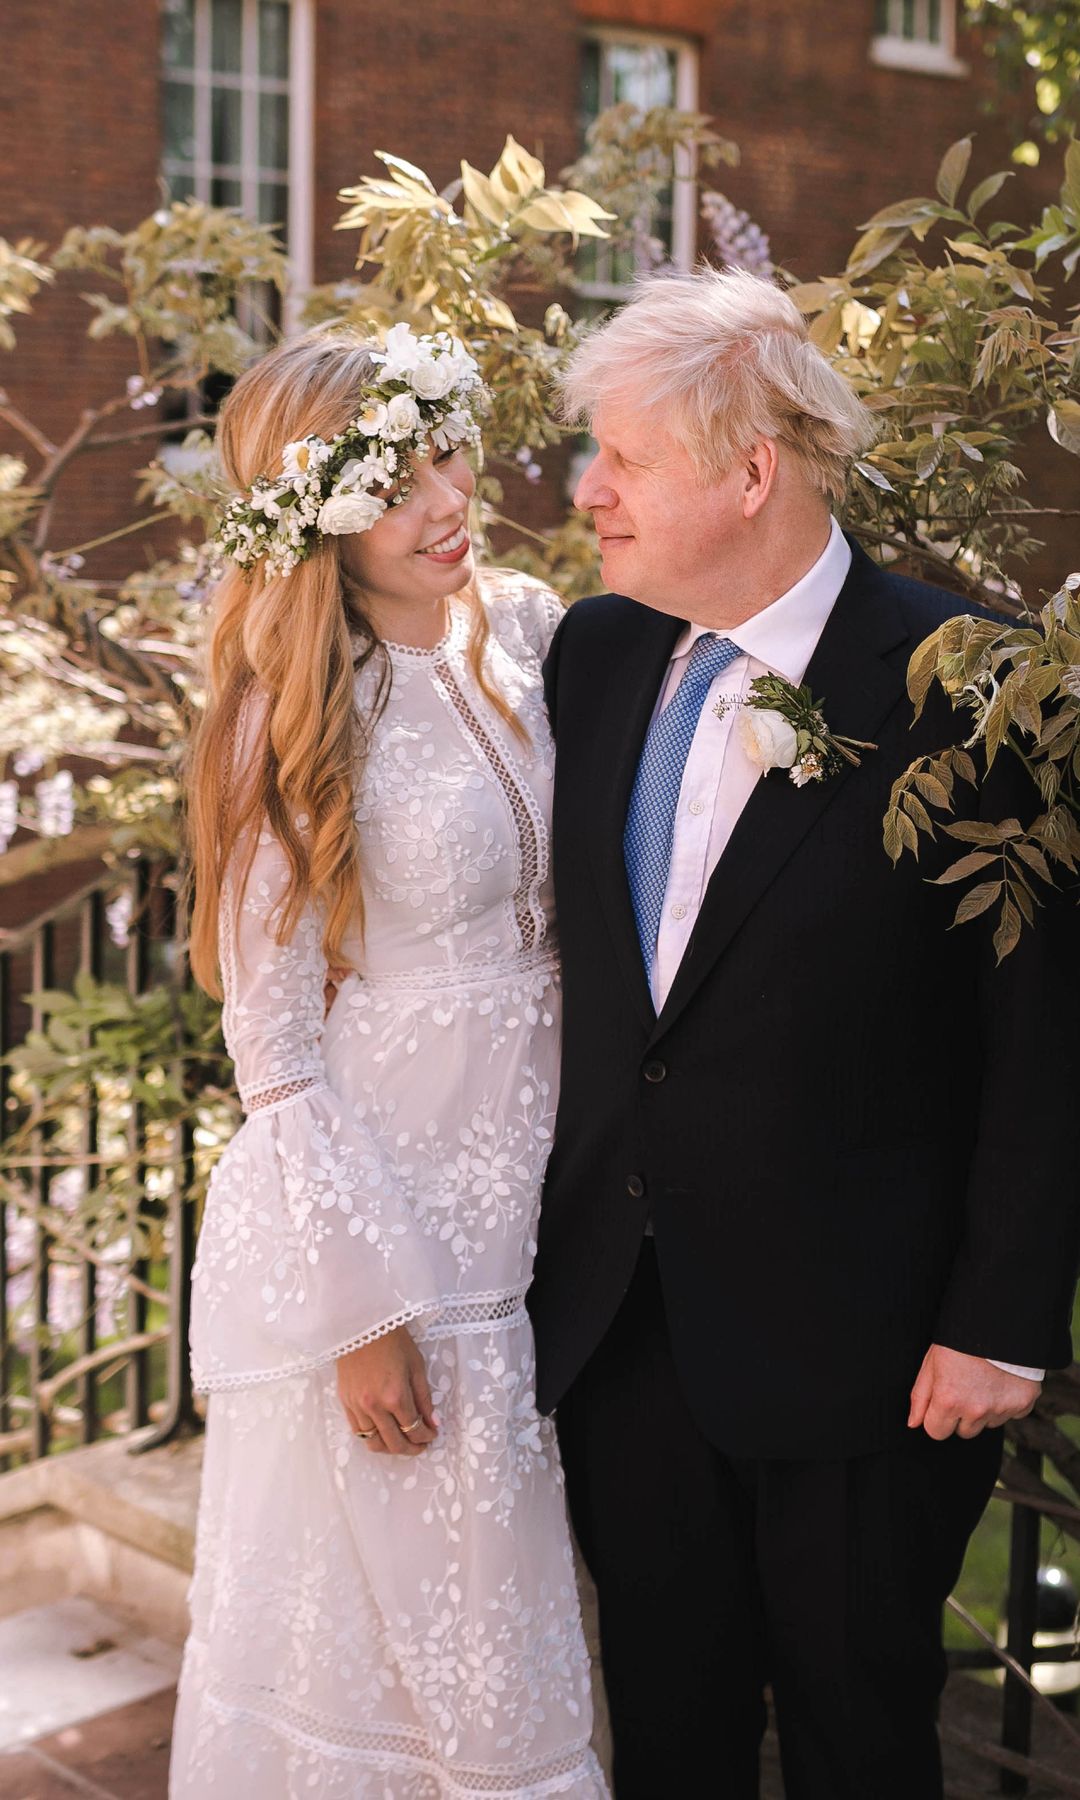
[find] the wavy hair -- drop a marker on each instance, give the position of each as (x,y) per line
(303,755)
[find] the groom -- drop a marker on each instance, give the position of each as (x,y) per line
(806,1242)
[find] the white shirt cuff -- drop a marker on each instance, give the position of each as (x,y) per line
(1018,1369)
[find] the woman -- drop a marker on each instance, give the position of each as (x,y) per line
(384,1601)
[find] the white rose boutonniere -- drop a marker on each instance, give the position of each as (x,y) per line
(767,738)
(783,727)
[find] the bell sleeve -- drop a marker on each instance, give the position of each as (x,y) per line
(307,1247)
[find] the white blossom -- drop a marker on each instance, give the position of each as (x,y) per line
(56,804)
(118,914)
(402,417)
(433,380)
(9,812)
(345,513)
(372,421)
(401,354)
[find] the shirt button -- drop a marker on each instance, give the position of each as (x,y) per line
(678,911)
(697,806)
(655,1071)
(635,1187)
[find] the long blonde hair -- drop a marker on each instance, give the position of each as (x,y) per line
(292,642)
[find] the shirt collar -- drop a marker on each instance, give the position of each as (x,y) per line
(784,635)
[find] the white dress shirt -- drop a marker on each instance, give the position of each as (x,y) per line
(719,777)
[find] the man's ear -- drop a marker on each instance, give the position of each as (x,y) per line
(760,470)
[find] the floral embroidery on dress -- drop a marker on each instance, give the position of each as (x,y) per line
(372,1627)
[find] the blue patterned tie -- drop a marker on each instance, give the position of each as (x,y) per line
(650,819)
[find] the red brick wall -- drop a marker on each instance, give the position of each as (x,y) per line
(80,145)
(825,137)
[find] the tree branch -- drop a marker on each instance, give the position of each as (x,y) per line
(155,429)
(25,427)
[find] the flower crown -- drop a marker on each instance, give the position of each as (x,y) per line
(430,387)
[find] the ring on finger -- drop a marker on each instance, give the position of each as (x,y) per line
(367,1434)
(415,1426)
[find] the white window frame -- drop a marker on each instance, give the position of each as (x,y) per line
(300,174)
(920,54)
(684,187)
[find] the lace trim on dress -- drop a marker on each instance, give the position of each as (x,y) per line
(527,913)
(262,1099)
(486,974)
(401,1747)
(479,1312)
(206,1383)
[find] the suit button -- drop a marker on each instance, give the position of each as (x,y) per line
(655,1071)
(635,1187)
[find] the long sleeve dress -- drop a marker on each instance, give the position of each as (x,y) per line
(373,1627)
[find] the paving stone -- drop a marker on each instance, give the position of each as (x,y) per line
(73,1660)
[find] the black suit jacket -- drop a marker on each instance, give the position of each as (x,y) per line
(837,1121)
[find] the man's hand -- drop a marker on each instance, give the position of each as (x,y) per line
(965,1394)
(384,1389)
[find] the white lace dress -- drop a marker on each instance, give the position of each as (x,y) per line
(372,1627)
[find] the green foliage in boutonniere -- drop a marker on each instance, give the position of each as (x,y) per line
(782,726)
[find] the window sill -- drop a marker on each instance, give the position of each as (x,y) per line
(917,57)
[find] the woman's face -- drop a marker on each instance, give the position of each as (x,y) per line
(418,552)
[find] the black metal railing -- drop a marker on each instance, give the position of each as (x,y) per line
(63,1379)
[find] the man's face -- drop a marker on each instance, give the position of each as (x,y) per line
(663,533)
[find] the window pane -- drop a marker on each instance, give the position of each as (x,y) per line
(227,33)
(226,126)
(274,38)
(224,192)
(644,76)
(178,123)
(907,22)
(881,17)
(274,205)
(178,34)
(933,21)
(181,185)
(274,131)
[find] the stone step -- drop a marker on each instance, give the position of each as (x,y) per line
(102,1523)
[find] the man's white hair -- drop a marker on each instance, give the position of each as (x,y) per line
(726,359)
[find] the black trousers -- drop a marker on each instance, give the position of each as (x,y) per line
(719,1575)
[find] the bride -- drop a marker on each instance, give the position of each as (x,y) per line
(384,1605)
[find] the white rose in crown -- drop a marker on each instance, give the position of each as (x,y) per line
(768,739)
(400,354)
(402,416)
(344,513)
(433,380)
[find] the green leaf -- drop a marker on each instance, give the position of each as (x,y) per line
(1035,859)
(1070,192)
(1063,424)
(1007,935)
(975,831)
(977,901)
(868,471)
(953,168)
(986,190)
(966,865)
(932,789)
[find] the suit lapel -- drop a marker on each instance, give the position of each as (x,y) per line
(859,689)
(638,660)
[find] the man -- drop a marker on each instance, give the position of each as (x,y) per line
(799,1197)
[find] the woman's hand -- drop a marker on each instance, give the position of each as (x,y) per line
(384,1389)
